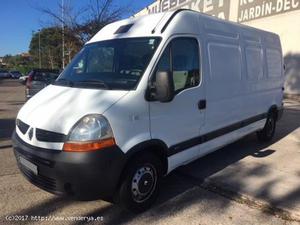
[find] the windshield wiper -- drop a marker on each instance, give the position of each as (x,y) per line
(93,83)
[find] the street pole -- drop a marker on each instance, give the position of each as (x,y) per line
(40,60)
(63,35)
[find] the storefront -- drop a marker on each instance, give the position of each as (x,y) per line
(278,16)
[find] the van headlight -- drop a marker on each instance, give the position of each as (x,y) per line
(92,132)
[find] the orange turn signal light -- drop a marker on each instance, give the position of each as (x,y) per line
(88,146)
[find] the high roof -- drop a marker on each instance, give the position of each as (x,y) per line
(142,26)
(173,22)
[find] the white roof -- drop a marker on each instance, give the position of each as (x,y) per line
(186,22)
(142,27)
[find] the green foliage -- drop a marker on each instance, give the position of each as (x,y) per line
(18,62)
(48,42)
(24,69)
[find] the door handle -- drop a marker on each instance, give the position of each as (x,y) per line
(202,104)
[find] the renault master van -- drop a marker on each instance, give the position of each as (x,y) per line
(145,96)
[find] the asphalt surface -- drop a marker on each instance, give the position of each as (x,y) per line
(243,183)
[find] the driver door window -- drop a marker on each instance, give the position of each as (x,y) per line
(181,57)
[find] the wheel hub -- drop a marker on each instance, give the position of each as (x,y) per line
(143,183)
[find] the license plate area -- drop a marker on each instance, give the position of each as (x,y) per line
(28,165)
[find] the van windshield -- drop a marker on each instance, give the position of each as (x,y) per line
(114,64)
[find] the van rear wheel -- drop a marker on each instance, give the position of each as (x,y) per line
(267,133)
(139,187)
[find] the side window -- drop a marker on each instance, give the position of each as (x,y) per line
(185,63)
(164,63)
(254,61)
(225,62)
(274,62)
(181,58)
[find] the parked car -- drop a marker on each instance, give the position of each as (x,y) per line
(39,79)
(4,74)
(15,74)
(145,96)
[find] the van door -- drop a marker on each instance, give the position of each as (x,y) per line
(179,121)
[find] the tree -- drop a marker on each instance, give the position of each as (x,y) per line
(101,13)
(86,22)
(78,27)
(48,41)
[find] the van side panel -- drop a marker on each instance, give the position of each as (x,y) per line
(243,78)
(242,73)
(223,76)
(263,78)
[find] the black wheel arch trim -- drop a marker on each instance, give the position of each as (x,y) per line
(278,110)
(161,151)
(272,109)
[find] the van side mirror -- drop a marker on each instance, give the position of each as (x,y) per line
(164,86)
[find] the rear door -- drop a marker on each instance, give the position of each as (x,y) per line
(179,121)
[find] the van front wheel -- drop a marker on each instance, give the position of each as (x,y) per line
(267,133)
(139,188)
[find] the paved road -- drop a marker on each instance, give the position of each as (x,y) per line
(243,183)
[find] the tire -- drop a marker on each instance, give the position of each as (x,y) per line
(140,184)
(267,133)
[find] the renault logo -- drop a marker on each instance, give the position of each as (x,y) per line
(30,133)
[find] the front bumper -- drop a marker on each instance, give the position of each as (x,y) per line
(84,176)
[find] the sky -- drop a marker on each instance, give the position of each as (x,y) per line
(19,18)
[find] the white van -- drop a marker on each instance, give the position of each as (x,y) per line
(144,96)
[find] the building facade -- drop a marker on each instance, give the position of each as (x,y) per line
(278,16)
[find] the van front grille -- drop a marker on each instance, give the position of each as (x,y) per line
(23,127)
(49,136)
